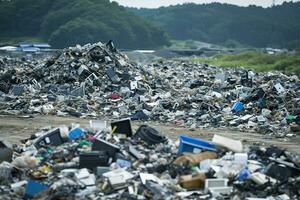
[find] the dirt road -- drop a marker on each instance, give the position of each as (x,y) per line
(14,128)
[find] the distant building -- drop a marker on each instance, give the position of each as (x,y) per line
(42,45)
(273,51)
(25,45)
(8,48)
(30,49)
(34,47)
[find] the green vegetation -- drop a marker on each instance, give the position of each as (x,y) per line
(65,23)
(255,61)
(228,24)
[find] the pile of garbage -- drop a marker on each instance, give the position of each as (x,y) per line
(98,80)
(101,162)
(205,96)
(78,81)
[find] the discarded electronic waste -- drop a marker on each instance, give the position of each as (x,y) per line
(102,162)
(98,164)
(98,80)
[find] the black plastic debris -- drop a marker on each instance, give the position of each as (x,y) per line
(278,171)
(5,151)
(297,120)
(110,44)
(245,80)
(53,138)
(112,75)
(94,159)
(102,145)
(274,152)
(83,71)
(149,135)
(122,127)
(140,115)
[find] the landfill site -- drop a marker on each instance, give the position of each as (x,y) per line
(91,123)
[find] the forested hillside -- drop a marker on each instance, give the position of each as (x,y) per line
(277,26)
(64,23)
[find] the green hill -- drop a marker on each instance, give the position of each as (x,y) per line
(218,23)
(64,23)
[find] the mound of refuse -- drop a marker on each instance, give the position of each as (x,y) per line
(101,162)
(98,80)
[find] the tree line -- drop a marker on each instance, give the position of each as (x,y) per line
(65,23)
(276,26)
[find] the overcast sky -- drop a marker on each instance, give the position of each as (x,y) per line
(158,3)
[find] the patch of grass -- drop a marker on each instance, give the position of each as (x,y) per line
(255,61)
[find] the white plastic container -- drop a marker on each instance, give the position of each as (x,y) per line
(241,158)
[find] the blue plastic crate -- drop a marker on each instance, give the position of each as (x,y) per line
(189,144)
(237,107)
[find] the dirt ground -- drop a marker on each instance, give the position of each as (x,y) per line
(13,128)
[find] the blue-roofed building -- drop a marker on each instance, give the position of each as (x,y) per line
(33,47)
(42,45)
(25,45)
(30,49)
